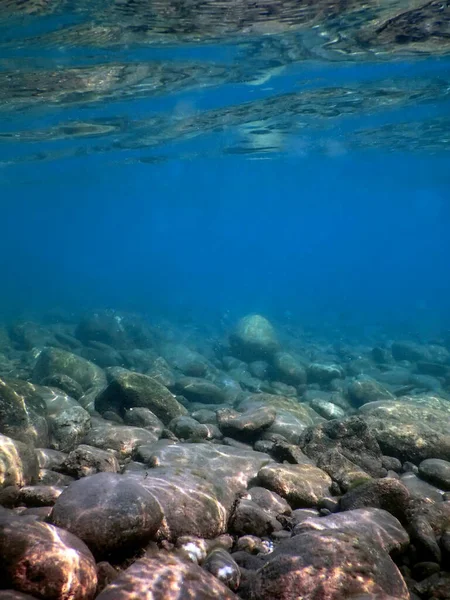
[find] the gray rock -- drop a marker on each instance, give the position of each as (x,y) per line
(69,427)
(187,428)
(301,485)
(245,425)
(128,390)
(64,383)
(184,359)
(254,339)
(364,389)
(292,417)
(53,361)
(327,409)
(436,471)
(352,438)
(288,369)
(196,389)
(123,439)
(143,417)
(111,513)
(87,460)
(421,490)
(323,373)
(412,428)
(406,350)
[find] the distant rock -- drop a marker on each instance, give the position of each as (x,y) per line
(412,351)
(121,331)
(189,362)
(196,389)
(53,361)
(254,339)
(246,425)
(364,389)
(127,389)
(288,369)
(323,373)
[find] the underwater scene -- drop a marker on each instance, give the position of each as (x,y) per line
(225,300)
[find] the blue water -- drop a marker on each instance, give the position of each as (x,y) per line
(201,227)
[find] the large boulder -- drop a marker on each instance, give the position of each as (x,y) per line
(42,560)
(411,428)
(165,577)
(111,513)
(254,338)
(342,560)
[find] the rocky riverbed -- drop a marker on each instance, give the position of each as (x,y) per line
(143,461)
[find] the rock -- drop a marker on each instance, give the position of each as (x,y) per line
(405,350)
(364,389)
(69,427)
(221,564)
(118,330)
(64,383)
(18,463)
(111,513)
(435,586)
(27,335)
(196,389)
(326,409)
(427,523)
(301,485)
(419,489)
(282,451)
(436,471)
(13,595)
(42,560)
(186,428)
(343,471)
(259,369)
(184,359)
(165,577)
(254,339)
(54,361)
(269,501)
(162,373)
(389,494)
(292,417)
(288,369)
(143,417)
(432,368)
(22,412)
(371,523)
(323,373)
(250,519)
(412,428)
(123,439)
(87,460)
(128,390)
(352,438)
(247,425)
(34,496)
(306,566)
(206,477)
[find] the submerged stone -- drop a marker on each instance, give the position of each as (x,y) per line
(254,339)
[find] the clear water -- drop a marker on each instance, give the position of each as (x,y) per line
(203,160)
